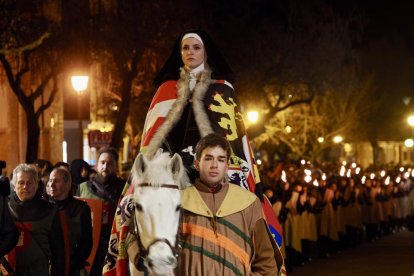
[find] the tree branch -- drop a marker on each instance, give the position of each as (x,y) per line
(40,89)
(14,85)
(52,95)
(26,47)
(25,68)
(277,108)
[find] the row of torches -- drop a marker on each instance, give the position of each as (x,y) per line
(348,173)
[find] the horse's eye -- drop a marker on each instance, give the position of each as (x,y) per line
(178,208)
(138,207)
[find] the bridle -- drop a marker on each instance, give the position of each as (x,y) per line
(143,252)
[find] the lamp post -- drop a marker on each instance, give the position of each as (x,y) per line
(253,116)
(80,83)
(410,121)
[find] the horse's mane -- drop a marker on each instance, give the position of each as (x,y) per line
(155,170)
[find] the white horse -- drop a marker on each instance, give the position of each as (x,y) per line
(157,203)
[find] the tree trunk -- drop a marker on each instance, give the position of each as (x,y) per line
(116,141)
(121,119)
(33,134)
(375,151)
(126,90)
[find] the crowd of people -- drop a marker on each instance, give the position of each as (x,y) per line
(54,226)
(327,209)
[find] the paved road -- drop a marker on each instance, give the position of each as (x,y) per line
(392,255)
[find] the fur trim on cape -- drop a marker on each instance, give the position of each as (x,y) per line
(176,111)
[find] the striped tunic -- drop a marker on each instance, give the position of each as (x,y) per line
(219,233)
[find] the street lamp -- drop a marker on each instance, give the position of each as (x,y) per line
(410,121)
(338,139)
(253,116)
(80,84)
(409,143)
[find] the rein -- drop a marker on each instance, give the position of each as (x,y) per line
(143,252)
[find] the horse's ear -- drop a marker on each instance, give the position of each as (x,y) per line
(140,164)
(176,165)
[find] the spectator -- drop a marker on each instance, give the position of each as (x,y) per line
(106,186)
(40,247)
(80,171)
(8,230)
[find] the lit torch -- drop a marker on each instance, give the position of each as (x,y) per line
(363,179)
(283,177)
(342,171)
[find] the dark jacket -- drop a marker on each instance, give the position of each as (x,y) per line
(78,218)
(109,191)
(42,242)
(8,230)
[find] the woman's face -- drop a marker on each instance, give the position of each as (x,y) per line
(192,52)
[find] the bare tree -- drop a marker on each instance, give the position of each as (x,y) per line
(298,52)
(337,111)
(31,76)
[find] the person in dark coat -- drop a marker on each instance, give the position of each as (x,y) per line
(8,230)
(79,170)
(106,187)
(77,219)
(40,249)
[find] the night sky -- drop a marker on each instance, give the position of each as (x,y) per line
(388,52)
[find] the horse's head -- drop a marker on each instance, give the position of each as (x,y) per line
(157,209)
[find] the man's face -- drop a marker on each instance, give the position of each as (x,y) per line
(25,186)
(106,165)
(57,187)
(212,165)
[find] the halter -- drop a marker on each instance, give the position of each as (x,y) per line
(143,253)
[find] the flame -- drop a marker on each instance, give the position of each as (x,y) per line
(363,179)
(342,171)
(283,177)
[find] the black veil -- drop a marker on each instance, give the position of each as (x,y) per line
(215,60)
